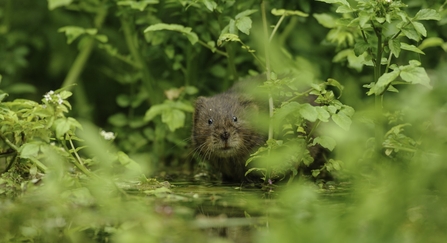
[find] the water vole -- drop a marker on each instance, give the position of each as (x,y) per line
(223,132)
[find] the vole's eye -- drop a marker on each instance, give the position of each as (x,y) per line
(234,119)
(210,121)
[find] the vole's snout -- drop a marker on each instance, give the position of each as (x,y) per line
(224,136)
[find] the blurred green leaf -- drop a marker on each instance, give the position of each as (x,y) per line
(187,31)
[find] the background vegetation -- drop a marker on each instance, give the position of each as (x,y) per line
(135,68)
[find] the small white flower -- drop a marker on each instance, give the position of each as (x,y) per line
(59,99)
(108,135)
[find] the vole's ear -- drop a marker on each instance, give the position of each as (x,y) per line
(200,102)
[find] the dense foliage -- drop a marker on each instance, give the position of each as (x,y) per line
(375,67)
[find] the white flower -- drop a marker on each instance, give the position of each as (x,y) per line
(107,135)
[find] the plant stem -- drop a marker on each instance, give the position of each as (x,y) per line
(155,94)
(80,61)
(213,49)
(378,97)
(267,65)
(36,162)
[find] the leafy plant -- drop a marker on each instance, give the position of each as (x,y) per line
(374,33)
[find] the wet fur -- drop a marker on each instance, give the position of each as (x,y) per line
(227,142)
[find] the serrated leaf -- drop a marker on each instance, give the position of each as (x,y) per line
(72,32)
(394,45)
(227,38)
(412,48)
(419,28)
(414,74)
(342,120)
(411,33)
(186,31)
(326,142)
(244,25)
(383,82)
(427,14)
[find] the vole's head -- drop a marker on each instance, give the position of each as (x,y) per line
(222,125)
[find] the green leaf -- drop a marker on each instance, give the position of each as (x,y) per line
(383,82)
(308,112)
(394,45)
(227,38)
(322,114)
(72,32)
(62,126)
(285,12)
(326,142)
(140,5)
(173,118)
(245,13)
(326,20)
(419,28)
(427,14)
(210,5)
(154,111)
(411,33)
(412,48)
(342,120)
(414,74)
(29,150)
(129,163)
(52,4)
(65,94)
(244,25)
(192,37)
(343,2)
(431,42)
(344,9)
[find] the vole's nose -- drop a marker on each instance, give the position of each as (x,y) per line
(224,136)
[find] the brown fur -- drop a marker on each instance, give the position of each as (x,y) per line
(226,140)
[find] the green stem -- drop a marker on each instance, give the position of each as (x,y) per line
(276,27)
(36,162)
(378,131)
(155,94)
(80,61)
(213,49)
